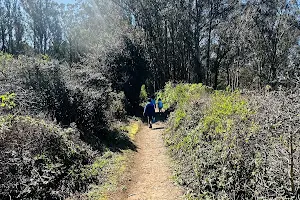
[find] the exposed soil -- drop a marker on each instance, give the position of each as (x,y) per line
(149,172)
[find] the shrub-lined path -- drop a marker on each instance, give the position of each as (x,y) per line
(150,173)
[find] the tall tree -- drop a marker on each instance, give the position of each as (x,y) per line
(44,23)
(12,28)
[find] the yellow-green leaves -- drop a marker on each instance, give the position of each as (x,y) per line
(179,115)
(225,109)
(180,94)
(8,100)
(5,57)
(5,61)
(143,94)
(45,58)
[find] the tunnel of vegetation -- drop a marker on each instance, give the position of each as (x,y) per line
(71,74)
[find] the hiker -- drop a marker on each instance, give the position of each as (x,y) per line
(4,48)
(149,112)
(159,105)
(153,101)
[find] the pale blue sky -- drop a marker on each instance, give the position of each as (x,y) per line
(65,1)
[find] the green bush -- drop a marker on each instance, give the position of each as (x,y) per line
(41,160)
(207,142)
(7,100)
(81,94)
(143,94)
(232,146)
(173,95)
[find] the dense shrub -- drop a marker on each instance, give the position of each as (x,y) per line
(233,146)
(143,95)
(38,96)
(178,94)
(277,144)
(39,160)
(80,94)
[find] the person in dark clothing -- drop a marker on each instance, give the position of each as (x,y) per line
(3,48)
(153,101)
(149,112)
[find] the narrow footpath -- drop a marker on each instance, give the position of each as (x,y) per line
(150,173)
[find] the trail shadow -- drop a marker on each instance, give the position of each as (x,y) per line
(160,117)
(163,116)
(158,128)
(118,141)
(114,140)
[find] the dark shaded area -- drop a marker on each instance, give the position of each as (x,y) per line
(68,106)
(138,112)
(164,116)
(53,96)
(158,128)
(159,117)
(128,72)
(114,140)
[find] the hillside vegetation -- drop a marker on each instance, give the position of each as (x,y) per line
(55,127)
(228,145)
(74,78)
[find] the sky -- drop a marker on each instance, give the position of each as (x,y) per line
(65,1)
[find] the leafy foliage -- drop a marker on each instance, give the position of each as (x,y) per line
(143,94)
(178,94)
(128,72)
(7,100)
(39,158)
(232,146)
(47,87)
(42,160)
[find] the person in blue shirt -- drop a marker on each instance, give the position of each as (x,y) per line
(149,112)
(153,101)
(159,105)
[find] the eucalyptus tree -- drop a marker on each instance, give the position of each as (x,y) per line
(44,23)
(271,29)
(11,25)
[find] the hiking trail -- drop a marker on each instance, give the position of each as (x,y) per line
(150,173)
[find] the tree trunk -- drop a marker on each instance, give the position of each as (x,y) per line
(10,40)
(216,67)
(167,75)
(228,75)
(173,52)
(197,65)
(3,37)
(208,44)
(292,163)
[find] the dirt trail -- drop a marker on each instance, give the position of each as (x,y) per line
(150,171)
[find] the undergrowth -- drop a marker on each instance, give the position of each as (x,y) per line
(39,158)
(114,166)
(57,134)
(172,96)
(229,146)
(45,161)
